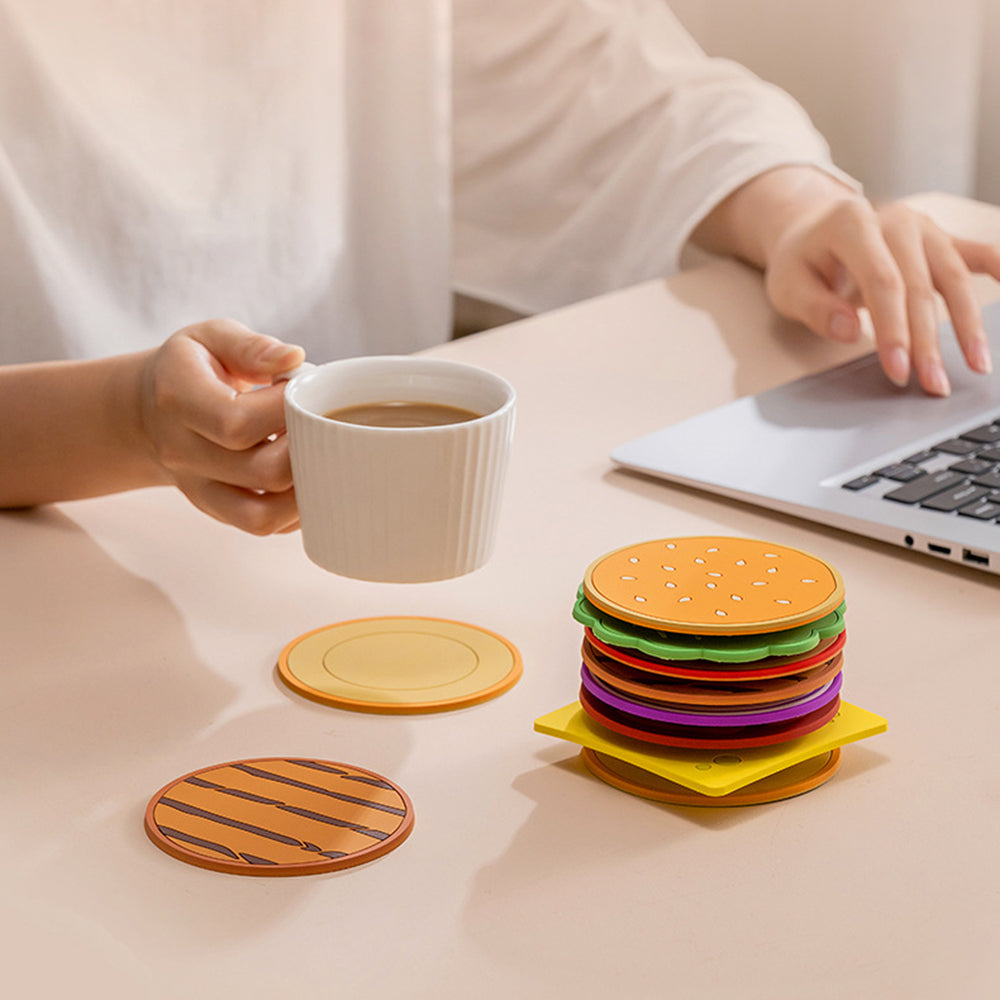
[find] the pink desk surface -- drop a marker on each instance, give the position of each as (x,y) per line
(140,640)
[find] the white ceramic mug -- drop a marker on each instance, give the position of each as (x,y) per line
(398,504)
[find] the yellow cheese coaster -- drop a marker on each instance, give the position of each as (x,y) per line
(400,665)
(792,781)
(279,816)
(711,772)
(713,585)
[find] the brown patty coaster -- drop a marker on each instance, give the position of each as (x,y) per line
(713,585)
(279,816)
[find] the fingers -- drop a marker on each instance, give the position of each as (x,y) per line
(951,278)
(244,353)
(893,261)
(220,437)
(904,239)
(265,467)
(204,376)
(256,513)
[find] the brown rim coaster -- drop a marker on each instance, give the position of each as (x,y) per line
(401,665)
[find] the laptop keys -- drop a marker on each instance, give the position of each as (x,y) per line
(903,472)
(968,487)
(957,446)
(983,510)
(952,499)
(926,486)
(987,434)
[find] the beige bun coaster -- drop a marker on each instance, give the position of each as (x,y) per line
(786,784)
(279,816)
(400,665)
(713,585)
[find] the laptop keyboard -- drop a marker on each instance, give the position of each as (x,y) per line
(960,475)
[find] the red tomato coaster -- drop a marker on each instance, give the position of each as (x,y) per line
(279,816)
(694,737)
(795,780)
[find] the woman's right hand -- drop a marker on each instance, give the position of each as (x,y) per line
(212,417)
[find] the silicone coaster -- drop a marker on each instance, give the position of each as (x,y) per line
(721,648)
(786,784)
(279,816)
(706,670)
(659,689)
(692,737)
(727,586)
(709,771)
(720,717)
(400,665)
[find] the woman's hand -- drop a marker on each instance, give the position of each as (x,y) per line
(826,251)
(212,418)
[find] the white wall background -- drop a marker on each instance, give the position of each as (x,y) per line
(906,91)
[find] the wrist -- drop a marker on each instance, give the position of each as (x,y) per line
(752,221)
(127,418)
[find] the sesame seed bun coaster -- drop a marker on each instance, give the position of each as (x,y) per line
(279,816)
(711,672)
(400,665)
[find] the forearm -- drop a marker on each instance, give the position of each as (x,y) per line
(750,222)
(72,429)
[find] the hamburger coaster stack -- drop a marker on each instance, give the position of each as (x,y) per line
(712,672)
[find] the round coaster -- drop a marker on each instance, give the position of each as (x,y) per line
(726,689)
(707,670)
(279,816)
(795,780)
(400,665)
(727,586)
(696,738)
(718,648)
(717,717)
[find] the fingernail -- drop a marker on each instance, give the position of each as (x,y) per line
(842,328)
(278,352)
(935,380)
(897,366)
(980,358)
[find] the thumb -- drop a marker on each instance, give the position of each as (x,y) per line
(812,302)
(244,353)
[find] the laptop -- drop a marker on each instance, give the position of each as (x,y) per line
(847,449)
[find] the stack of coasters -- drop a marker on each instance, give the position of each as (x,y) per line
(712,670)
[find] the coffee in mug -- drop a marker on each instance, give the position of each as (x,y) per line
(402,413)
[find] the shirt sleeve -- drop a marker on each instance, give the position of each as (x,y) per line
(590,137)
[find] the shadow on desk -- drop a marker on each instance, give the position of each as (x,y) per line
(766,348)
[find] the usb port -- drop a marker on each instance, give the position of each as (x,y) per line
(975,557)
(941,550)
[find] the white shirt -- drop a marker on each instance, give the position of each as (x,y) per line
(327,171)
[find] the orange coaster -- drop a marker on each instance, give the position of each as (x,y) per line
(400,665)
(727,690)
(795,780)
(710,585)
(279,816)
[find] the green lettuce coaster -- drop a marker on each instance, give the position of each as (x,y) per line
(720,649)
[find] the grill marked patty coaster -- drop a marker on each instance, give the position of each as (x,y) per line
(711,673)
(279,816)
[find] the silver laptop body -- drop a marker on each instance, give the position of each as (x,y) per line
(812,448)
